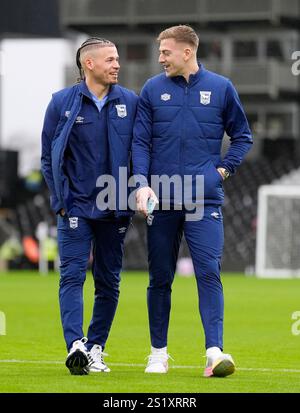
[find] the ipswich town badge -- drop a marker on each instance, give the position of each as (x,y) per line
(121,111)
(73,222)
(204,97)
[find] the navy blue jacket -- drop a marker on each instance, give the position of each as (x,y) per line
(179,129)
(65,106)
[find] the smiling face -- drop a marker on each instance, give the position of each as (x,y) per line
(174,56)
(102,64)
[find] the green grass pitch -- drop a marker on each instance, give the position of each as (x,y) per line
(258,333)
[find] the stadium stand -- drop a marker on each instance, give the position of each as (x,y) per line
(240,209)
(250,42)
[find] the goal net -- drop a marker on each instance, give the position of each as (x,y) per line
(278,231)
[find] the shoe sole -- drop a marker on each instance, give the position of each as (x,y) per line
(158,372)
(77,363)
(223,369)
(99,371)
(91,370)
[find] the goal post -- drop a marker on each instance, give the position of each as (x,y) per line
(278,232)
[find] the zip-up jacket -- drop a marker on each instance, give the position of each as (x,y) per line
(61,114)
(180,126)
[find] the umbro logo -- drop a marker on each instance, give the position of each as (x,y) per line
(79,119)
(165,97)
(122,230)
(215,215)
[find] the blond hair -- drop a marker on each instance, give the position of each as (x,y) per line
(181,34)
(87,48)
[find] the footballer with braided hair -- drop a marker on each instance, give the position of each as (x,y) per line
(86,135)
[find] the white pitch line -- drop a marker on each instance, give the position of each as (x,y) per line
(31,361)
(143,365)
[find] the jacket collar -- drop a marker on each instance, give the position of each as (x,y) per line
(113,94)
(194,78)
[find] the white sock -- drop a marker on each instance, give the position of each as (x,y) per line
(158,350)
(213,352)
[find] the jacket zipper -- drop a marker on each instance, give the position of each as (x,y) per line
(183,136)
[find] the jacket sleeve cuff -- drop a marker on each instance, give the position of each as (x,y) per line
(226,166)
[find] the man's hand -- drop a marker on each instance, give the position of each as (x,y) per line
(62,212)
(142,196)
(223,172)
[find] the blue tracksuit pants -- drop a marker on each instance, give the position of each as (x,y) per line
(106,237)
(205,239)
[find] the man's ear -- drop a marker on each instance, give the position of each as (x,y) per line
(89,63)
(187,54)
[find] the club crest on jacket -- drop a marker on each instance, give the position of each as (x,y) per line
(204,97)
(121,111)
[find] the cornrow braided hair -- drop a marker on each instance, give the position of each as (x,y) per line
(90,42)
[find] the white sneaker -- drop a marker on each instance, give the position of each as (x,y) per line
(77,359)
(96,362)
(218,364)
(158,361)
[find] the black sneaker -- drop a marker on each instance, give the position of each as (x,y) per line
(77,360)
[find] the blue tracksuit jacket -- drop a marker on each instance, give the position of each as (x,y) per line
(67,104)
(180,126)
